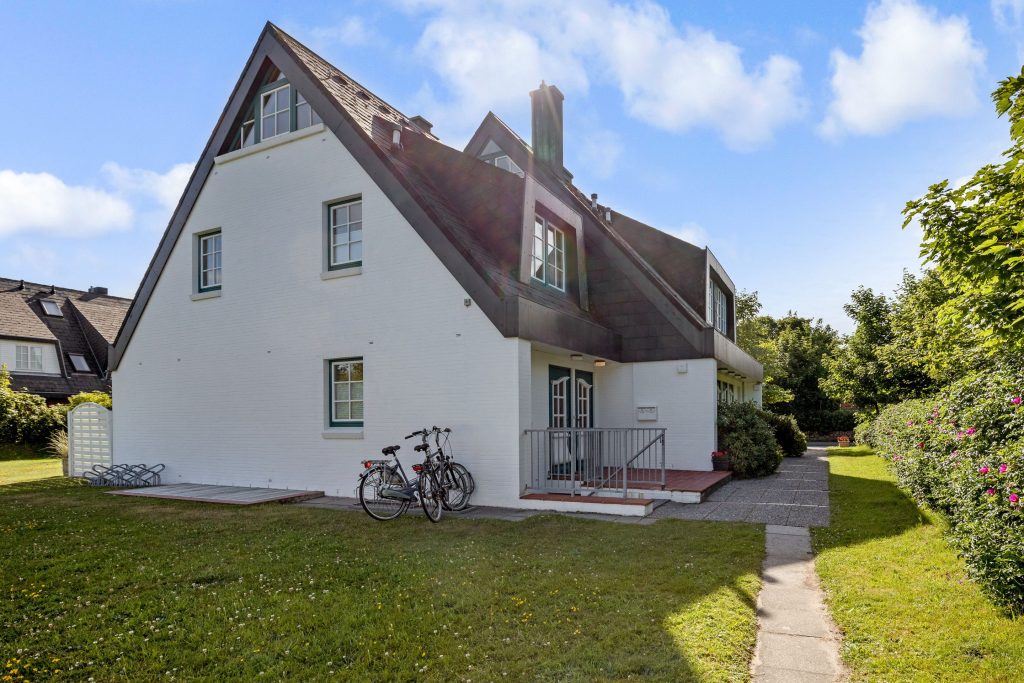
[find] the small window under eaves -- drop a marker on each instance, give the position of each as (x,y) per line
(79,363)
(51,308)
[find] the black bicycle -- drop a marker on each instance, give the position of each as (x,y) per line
(385,492)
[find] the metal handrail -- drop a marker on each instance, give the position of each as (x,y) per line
(570,459)
(625,467)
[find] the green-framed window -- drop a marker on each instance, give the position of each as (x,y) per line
(277,109)
(345,392)
(548,255)
(209,264)
(345,234)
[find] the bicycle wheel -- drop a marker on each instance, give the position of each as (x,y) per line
(457,489)
(470,482)
(378,507)
(431,497)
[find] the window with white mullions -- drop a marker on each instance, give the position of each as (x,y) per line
(548,254)
(210,262)
(560,403)
(345,248)
(583,389)
(304,114)
(275,112)
(28,358)
(346,397)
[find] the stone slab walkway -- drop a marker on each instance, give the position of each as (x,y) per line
(796,639)
(796,495)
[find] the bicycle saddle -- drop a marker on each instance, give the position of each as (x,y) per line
(389,450)
(421,447)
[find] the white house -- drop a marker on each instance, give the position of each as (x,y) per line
(335,277)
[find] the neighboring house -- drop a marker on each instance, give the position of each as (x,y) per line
(55,341)
(335,277)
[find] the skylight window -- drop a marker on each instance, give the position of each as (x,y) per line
(51,308)
(79,362)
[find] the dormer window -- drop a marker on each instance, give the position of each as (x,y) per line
(278,109)
(718,308)
(50,307)
(548,257)
(505,163)
(275,111)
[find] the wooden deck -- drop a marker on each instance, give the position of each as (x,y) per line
(597,500)
(226,495)
(689,481)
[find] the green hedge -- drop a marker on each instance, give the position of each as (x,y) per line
(962,454)
(746,435)
(787,433)
(25,418)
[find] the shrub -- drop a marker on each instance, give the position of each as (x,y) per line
(744,432)
(100,397)
(57,445)
(788,435)
(25,418)
(962,454)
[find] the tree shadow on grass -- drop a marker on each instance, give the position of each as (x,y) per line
(865,508)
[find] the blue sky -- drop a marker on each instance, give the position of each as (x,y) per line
(787,136)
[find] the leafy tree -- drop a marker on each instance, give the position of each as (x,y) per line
(873,367)
(754,335)
(974,234)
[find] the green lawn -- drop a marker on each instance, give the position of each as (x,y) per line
(25,463)
(121,589)
(900,595)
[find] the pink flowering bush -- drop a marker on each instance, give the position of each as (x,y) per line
(961,453)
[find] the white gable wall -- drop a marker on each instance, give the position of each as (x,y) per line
(231,389)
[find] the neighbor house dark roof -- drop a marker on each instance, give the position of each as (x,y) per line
(88,324)
(471,215)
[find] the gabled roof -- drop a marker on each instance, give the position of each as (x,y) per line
(88,325)
(468,212)
(18,321)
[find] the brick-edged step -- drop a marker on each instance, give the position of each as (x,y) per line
(638,507)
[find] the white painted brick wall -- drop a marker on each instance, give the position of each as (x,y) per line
(230,390)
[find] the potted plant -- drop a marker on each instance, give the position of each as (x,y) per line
(720,461)
(844,441)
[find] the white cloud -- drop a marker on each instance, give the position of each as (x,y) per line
(39,261)
(913,64)
(669,77)
(1009,18)
(163,188)
(691,232)
(353,31)
(43,203)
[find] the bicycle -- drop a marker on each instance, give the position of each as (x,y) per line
(386,492)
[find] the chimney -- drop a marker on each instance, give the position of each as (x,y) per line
(422,124)
(547,128)
(99,291)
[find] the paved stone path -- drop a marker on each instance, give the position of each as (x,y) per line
(796,495)
(796,639)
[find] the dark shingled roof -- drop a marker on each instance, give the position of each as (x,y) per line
(89,324)
(471,215)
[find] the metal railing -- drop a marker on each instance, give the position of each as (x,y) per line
(585,461)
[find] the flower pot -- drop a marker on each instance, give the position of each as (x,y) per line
(722,464)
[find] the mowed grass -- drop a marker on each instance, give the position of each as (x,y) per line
(899,594)
(123,589)
(20,463)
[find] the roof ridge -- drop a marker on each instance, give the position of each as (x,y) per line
(297,45)
(42,285)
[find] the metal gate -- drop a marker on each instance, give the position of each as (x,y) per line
(89,438)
